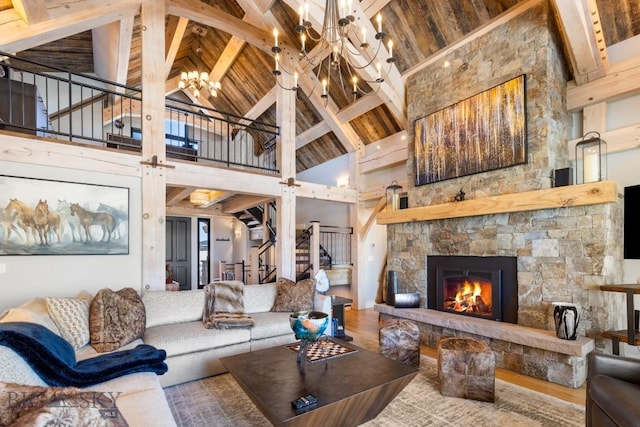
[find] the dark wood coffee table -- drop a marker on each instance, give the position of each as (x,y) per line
(351,389)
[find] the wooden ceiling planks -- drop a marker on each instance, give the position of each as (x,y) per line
(324,149)
(620,19)
(375,125)
(73,53)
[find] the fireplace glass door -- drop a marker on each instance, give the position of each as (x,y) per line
(470,292)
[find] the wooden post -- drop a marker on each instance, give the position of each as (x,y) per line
(153,146)
(314,248)
(286,149)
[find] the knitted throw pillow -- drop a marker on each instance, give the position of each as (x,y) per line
(294,296)
(116,319)
(71,316)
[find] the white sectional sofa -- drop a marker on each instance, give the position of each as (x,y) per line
(173,323)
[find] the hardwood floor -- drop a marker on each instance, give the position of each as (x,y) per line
(364,324)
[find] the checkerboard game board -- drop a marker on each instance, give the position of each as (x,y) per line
(323,350)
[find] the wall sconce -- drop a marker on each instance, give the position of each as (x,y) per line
(591,159)
(393,192)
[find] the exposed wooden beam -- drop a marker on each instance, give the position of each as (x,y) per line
(216,18)
(367,225)
(16,36)
(359,107)
(393,150)
(239,204)
(622,79)
(588,57)
(326,192)
(262,105)
(177,195)
(31,11)
(498,21)
(377,191)
(626,138)
(311,134)
(176,27)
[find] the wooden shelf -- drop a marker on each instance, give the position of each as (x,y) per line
(550,198)
(630,335)
(623,336)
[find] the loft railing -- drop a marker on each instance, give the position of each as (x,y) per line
(331,247)
(49,102)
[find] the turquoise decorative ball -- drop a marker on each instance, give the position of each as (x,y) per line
(309,325)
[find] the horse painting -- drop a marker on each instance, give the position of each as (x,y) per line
(121,217)
(89,218)
(64,209)
(7,221)
(46,222)
(24,219)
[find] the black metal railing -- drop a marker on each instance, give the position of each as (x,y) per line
(334,249)
(49,102)
(267,268)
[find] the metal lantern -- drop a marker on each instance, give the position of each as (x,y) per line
(591,159)
(393,196)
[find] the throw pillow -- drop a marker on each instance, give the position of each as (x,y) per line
(294,296)
(116,319)
(71,316)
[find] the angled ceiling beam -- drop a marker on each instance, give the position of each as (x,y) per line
(242,203)
(31,11)
(359,107)
(16,36)
(585,44)
(112,50)
(216,18)
(499,20)
(177,195)
(311,134)
(174,33)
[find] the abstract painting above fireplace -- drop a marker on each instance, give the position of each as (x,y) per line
(484,287)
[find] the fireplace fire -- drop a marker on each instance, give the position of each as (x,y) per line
(471,295)
(484,287)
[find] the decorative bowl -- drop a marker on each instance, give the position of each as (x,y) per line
(308,325)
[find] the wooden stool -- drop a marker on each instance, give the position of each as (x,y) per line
(466,369)
(400,340)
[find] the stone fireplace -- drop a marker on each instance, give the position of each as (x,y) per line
(562,254)
(483,287)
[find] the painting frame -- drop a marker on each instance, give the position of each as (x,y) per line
(485,132)
(52,217)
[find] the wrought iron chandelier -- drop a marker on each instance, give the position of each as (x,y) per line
(197,81)
(341,45)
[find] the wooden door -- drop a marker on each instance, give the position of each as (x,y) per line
(178,251)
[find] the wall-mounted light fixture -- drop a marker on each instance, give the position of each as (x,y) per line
(591,159)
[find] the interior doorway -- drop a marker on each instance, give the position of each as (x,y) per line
(178,250)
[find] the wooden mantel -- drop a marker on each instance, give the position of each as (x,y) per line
(573,195)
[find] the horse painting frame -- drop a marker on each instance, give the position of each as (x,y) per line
(485,132)
(49,217)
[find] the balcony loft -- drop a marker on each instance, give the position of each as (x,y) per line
(64,106)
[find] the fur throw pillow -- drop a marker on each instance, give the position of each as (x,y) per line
(293,296)
(23,405)
(224,306)
(116,319)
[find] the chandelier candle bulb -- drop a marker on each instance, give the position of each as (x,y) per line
(301,13)
(303,39)
(324,86)
(379,67)
(379,19)
(355,84)
(390,48)
(306,11)
(295,80)
(275,37)
(277,56)
(364,36)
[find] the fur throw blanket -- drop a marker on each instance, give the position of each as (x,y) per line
(23,405)
(224,306)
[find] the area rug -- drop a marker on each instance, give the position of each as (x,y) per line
(220,401)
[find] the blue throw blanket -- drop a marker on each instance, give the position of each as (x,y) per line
(54,360)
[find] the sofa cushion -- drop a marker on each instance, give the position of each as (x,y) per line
(294,296)
(167,307)
(33,311)
(71,316)
(270,324)
(259,298)
(116,319)
(189,337)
